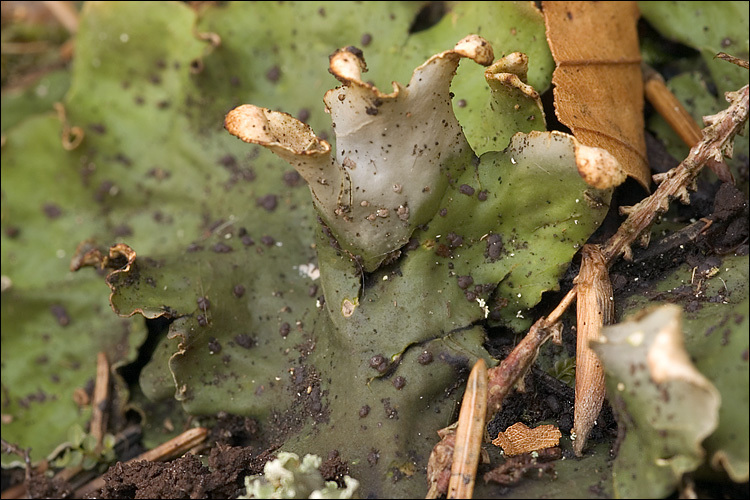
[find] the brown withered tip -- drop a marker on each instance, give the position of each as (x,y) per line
(347,64)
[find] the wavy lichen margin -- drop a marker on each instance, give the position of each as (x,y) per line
(395,153)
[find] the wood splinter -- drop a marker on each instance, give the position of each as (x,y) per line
(469,433)
(595,308)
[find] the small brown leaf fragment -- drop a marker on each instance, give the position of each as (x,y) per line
(595,309)
(518,438)
(598,86)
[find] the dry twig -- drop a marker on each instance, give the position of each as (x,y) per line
(673,112)
(65,13)
(716,142)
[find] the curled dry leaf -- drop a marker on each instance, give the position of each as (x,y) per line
(595,309)
(518,438)
(409,138)
(598,86)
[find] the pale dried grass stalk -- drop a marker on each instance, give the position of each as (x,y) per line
(101,397)
(469,434)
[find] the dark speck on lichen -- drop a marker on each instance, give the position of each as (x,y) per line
(60,314)
(494,247)
(465,282)
(99,128)
(51,210)
(222,248)
(244,340)
(442,250)
(273,74)
(247,240)
(466,189)
(454,240)
(214,347)
(269,202)
(425,358)
(377,360)
(204,303)
(267,240)
(238,291)
(292,178)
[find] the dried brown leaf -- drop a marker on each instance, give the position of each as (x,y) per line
(595,309)
(518,438)
(598,85)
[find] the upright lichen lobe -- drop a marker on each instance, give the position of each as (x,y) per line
(395,153)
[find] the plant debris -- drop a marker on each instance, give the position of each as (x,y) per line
(518,438)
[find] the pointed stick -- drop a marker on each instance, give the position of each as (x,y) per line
(595,308)
(469,433)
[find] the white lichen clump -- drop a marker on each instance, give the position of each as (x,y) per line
(287,477)
(395,153)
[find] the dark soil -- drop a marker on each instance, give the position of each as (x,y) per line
(186,477)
